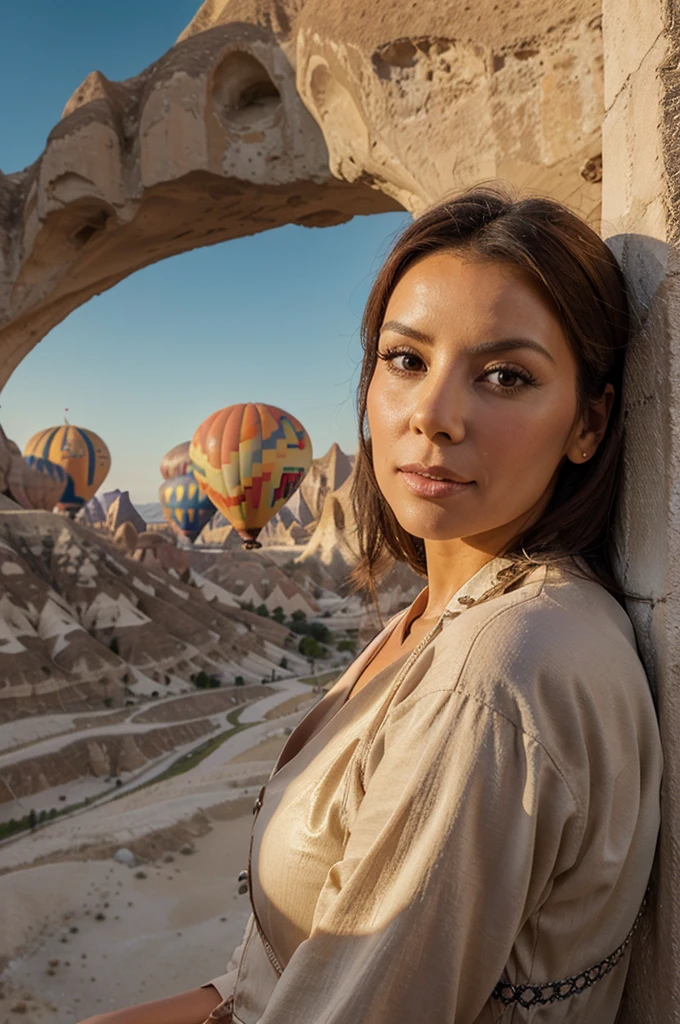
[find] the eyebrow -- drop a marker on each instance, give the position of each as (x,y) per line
(502,345)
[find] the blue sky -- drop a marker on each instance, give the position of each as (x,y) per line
(272,317)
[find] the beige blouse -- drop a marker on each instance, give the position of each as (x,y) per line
(485,808)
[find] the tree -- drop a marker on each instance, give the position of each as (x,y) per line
(278,614)
(320,632)
(283,663)
(310,648)
(239,681)
(262,610)
(298,616)
(345,645)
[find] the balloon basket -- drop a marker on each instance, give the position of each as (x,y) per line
(251,545)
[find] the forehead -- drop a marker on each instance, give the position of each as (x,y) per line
(446,292)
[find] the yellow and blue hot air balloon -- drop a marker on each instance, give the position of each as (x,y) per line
(83,455)
(185,507)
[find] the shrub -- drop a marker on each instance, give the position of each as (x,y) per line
(262,610)
(283,663)
(298,616)
(345,645)
(203,681)
(239,681)
(278,614)
(320,632)
(309,647)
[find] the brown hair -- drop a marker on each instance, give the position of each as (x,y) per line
(544,239)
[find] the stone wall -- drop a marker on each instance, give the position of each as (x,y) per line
(640,219)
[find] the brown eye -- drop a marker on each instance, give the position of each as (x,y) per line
(507,378)
(409,362)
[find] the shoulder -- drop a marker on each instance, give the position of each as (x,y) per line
(557,620)
(557,659)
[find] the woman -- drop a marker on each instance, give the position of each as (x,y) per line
(462,830)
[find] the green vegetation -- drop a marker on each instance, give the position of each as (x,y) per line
(34,818)
(188,761)
(320,632)
(279,615)
(262,610)
(239,681)
(203,681)
(322,678)
(310,648)
(346,645)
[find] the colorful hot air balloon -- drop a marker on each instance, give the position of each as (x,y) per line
(83,455)
(249,459)
(46,485)
(176,462)
(185,507)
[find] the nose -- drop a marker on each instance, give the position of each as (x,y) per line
(439,408)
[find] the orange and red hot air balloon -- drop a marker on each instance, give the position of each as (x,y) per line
(250,459)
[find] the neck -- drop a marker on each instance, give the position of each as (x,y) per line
(450,564)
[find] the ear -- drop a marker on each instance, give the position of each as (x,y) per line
(591,428)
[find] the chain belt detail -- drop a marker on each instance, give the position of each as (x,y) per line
(553,991)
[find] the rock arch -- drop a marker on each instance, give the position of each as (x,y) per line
(266,114)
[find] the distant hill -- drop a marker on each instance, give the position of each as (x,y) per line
(150,512)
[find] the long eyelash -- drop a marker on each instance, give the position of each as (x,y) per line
(392,353)
(527,379)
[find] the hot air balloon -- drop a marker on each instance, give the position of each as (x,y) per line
(250,459)
(176,462)
(46,484)
(185,507)
(83,455)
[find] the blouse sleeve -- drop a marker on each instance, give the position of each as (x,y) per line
(459,832)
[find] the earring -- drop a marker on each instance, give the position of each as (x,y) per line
(584,454)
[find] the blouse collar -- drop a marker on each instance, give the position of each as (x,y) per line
(485,579)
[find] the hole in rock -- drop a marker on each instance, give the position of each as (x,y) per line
(243,94)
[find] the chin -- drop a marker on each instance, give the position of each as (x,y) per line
(431,523)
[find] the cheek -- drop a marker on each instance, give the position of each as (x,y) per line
(384,408)
(531,437)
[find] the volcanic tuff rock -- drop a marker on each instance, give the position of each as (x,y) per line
(80,623)
(267,113)
(250,576)
(121,510)
(326,474)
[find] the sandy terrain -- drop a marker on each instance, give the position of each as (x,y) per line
(81,933)
(114,938)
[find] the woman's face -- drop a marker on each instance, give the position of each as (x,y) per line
(473,402)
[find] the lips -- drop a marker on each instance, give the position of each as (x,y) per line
(433,472)
(433,481)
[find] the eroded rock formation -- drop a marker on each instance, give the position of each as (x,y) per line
(267,113)
(81,623)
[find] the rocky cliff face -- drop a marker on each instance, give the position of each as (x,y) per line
(81,623)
